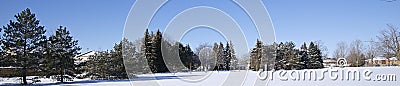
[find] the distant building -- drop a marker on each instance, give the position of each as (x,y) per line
(382,61)
(83,57)
(334,62)
(393,61)
(9,71)
(330,62)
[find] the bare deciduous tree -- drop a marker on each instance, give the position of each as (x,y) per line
(373,49)
(321,46)
(206,56)
(341,50)
(390,41)
(356,56)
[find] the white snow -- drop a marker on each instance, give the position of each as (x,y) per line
(238,78)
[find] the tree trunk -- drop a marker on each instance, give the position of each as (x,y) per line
(24,76)
(62,75)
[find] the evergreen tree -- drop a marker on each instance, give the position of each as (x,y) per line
(268,57)
(227,57)
(159,60)
(279,59)
(117,66)
(149,53)
(98,65)
(188,58)
(290,56)
(315,57)
(105,64)
(3,61)
(153,52)
(220,57)
(23,41)
(63,49)
(303,56)
(171,58)
(256,56)
(234,60)
(132,59)
(143,53)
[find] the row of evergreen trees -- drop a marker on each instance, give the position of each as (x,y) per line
(225,56)
(149,49)
(285,56)
(155,54)
(24,45)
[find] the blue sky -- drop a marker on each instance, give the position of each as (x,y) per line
(98,24)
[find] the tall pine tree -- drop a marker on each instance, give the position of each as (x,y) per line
(279,59)
(303,56)
(256,56)
(315,57)
(64,49)
(290,56)
(268,57)
(23,41)
(159,60)
(234,61)
(227,57)
(117,65)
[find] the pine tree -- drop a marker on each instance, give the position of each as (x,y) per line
(64,49)
(256,56)
(149,53)
(144,53)
(159,60)
(99,64)
(23,40)
(315,58)
(304,56)
(290,56)
(279,59)
(227,56)
(132,59)
(220,56)
(153,52)
(188,58)
(170,58)
(3,61)
(233,60)
(268,56)
(297,64)
(117,65)
(111,63)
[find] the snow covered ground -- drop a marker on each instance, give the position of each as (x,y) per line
(84,82)
(349,76)
(368,76)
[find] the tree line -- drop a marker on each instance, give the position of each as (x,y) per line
(105,65)
(24,44)
(225,56)
(154,54)
(145,55)
(285,56)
